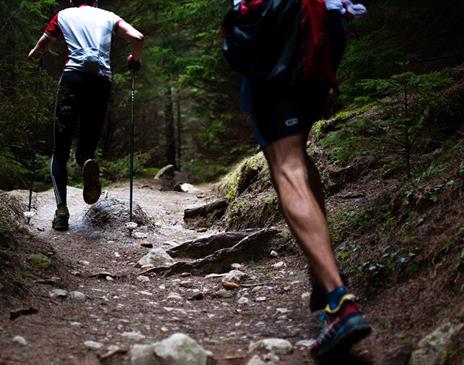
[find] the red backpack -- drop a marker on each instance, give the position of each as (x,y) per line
(280,39)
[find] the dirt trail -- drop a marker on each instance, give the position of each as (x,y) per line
(113,308)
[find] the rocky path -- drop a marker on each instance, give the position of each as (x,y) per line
(101,306)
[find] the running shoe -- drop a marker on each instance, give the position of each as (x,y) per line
(60,221)
(92,186)
(318,298)
(342,328)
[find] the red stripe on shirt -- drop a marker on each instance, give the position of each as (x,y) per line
(53,29)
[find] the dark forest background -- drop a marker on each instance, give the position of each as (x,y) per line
(187,101)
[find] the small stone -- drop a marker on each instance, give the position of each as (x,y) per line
(202,229)
(243,300)
(229,285)
(84,263)
(305,297)
(282,310)
(222,293)
(275,345)
(156,257)
(135,336)
(260,299)
(58,293)
(186,284)
(77,296)
(40,261)
(20,340)
(256,360)
(139,235)
(196,295)
(109,278)
(235,276)
(279,265)
(187,188)
(93,345)
(236,266)
(271,358)
(174,296)
(143,278)
(274,253)
(305,344)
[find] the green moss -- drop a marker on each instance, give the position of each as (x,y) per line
(40,261)
(230,182)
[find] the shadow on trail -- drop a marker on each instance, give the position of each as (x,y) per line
(347,359)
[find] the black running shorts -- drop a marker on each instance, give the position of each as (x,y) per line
(279,110)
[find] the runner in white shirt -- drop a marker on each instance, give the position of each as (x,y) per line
(83,91)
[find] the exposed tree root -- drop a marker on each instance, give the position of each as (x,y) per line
(251,247)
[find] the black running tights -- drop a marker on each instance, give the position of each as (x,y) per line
(81,101)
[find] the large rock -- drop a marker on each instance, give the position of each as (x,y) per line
(179,349)
(165,177)
(157,257)
(207,214)
(167,171)
(114,214)
(432,348)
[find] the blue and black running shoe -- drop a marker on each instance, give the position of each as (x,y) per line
(342,328)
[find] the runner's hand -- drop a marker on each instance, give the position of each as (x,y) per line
(132,64)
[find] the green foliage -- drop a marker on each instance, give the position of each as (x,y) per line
(405,125)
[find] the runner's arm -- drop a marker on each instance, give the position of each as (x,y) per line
(43,45)
(133,36)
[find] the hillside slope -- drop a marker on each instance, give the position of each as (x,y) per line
(399,239)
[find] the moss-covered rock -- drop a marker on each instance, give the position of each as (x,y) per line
(250,171)
(40,261)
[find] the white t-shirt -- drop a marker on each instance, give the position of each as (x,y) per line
(88,32)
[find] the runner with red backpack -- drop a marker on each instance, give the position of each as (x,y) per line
(83,92)
(288,52)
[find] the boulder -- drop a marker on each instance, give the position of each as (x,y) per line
(167,171)
(165,177)
(113,215)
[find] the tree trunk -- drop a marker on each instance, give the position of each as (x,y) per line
(179,132)
(170,130)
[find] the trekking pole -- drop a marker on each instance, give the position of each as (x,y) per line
(131,225)
(29,214)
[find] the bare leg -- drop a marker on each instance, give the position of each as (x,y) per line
(300,192)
